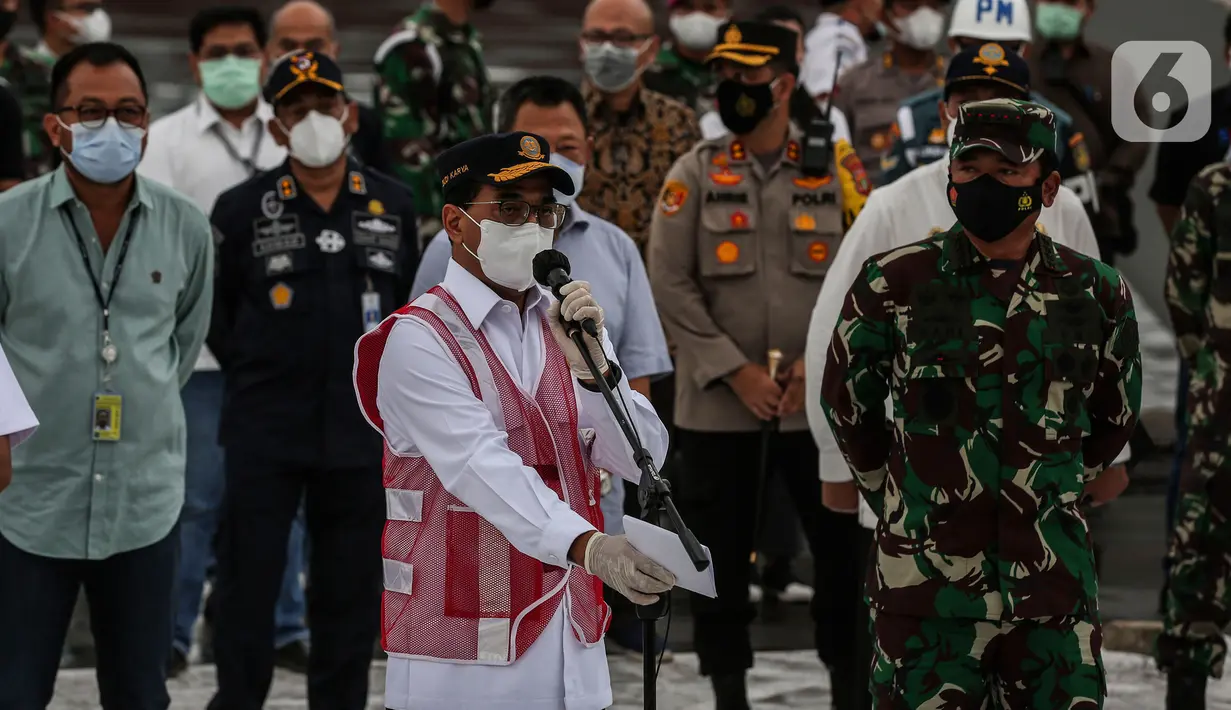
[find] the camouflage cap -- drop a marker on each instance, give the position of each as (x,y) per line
(1019,130)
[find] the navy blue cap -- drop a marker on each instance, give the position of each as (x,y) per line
(989,62)
(499,159)
(299,68)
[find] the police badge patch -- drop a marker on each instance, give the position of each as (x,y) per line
(271,206)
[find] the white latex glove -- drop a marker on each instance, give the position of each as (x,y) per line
(578,305)
(613,559)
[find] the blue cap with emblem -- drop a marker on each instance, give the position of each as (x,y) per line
(301,68)
(989,63)
(499,159)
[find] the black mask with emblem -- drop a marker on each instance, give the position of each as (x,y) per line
(742,106)
(990,209)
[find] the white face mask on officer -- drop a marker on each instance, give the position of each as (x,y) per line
(506,254)
(319,139)
(920,29)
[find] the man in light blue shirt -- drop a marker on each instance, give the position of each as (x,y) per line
(105,293)
(600,253)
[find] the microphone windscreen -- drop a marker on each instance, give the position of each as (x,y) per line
(548,261)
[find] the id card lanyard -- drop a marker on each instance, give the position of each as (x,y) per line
(109,352)
(249,163)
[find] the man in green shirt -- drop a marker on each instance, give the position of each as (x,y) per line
(105,292)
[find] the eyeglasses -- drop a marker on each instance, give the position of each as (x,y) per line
(95,115)
(515,213)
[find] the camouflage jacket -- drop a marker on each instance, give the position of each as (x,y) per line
(28,74)
(432,93)
(691,83)
(1009,394)
(1199,274)
(919,139)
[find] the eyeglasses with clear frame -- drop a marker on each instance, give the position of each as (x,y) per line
(515,213)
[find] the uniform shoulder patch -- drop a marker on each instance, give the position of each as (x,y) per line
(674,195)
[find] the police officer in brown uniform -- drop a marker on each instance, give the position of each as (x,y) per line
(739,244)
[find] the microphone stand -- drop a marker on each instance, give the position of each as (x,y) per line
(655,496)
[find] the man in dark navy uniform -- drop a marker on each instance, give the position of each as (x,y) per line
(310,255)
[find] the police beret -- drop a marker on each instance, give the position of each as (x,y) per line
(299,68)
(1021,131)
(989,62)
(499,159)
(754,43)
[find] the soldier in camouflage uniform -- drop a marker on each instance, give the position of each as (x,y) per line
(432,93)
(1015,375)
(1198,593)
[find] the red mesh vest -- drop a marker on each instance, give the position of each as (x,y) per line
(455,589)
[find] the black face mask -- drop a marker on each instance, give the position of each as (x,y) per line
(743,107)
(990,209)
(7,19)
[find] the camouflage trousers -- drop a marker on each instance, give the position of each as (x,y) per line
(976,664)
(1198,599)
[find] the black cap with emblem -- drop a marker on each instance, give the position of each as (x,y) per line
(753,44)
(989,62)
(301,68)
(498,159)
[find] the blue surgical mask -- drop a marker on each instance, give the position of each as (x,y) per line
(575,171)
(106,154)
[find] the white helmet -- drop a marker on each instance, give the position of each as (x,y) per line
(991,20)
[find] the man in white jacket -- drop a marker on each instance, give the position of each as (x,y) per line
(909,210)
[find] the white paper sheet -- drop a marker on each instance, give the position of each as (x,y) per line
(665,548)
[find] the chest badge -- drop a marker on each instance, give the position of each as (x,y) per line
(812,183)
(156,277)
(805,223)
(818,251)
(739,220)
(879,141)
(271,206)
(726,177)
(376,207)
(277,264)
(330,242)
(727,253)
(280,296)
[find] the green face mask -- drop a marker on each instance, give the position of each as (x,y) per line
(231,82)
(1058,21)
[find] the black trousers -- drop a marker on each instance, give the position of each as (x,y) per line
(345,512)
(130,599)
(861,681)
(719,490)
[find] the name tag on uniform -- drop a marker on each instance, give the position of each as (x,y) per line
(108,415)
(270,236)
(371,311)
(380,231)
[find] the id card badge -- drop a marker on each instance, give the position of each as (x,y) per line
(108,414)
(371,311)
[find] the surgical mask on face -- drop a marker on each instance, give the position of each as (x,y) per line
(318,140)
(106,154)
(611,68)
(921,29)
(1058,21)
(697,31)
(94,27)
(575,171)
(506,254)
(231,82)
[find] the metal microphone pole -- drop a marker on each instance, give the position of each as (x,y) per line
(656,504)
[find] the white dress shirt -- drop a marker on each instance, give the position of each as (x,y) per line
(17,420)
(905,211)
(429,410)
(833,37)
(198,154)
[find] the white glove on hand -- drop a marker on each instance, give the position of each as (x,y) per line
(578,305)
(613,559)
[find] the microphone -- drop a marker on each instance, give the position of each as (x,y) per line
(551,270)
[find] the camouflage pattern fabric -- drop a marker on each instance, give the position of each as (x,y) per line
(1009,395)
(691,83)
(968,663)
(1027,130)
(28,74)
(928,143)
(432,93)
(1198,293)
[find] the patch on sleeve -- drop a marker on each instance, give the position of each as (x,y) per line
(674,194)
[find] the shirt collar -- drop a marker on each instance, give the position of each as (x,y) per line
(597,106)
(477,299)
(62,193)
(576,218)
(208,116)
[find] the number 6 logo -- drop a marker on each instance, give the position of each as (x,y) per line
(1169,76)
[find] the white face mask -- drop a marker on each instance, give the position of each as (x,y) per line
(318,140)
(506,254)
(921,29)
(94,27)
(951,128)
(575,171)
(697,31)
